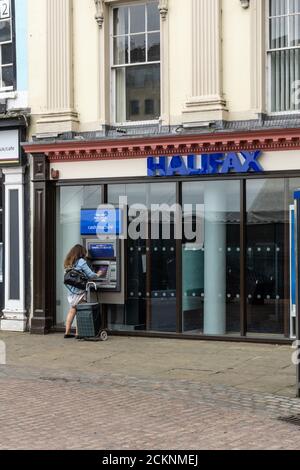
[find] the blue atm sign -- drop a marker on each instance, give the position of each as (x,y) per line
(193,165)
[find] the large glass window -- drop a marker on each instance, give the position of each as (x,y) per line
(211,260)
(151,262)
(284,54)
(210,253)
(265,255)
(136,62)
(70,200)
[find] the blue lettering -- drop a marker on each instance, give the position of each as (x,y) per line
(192,165)
(177,167)
(193,168)
(232,162)
(155,168)
(211,164)
(215,161)
(205,164)
(251,162)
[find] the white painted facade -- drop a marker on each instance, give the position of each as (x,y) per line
(270,161)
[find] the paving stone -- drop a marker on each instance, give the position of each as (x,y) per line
(47,404)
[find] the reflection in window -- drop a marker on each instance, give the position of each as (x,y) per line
(149,106)
(211,258)
(266,219)
(135,107)
(151,265)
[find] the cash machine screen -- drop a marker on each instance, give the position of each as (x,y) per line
(104,271)
(102,250)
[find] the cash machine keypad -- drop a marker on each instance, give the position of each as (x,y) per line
(108,275)
(105,257)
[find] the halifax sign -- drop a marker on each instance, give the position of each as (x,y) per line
(207,164)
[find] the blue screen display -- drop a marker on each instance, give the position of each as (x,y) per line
(102,250)
(101,222)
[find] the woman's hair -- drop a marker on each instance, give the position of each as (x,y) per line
(77,252)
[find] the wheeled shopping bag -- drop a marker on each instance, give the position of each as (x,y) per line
(90,323)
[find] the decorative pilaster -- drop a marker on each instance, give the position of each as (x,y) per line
(165,59)
(206,102)
(102,16)
(43,247)
(61,116)
(14,314)
(257,55)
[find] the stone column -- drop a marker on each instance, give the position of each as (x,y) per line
(258,35)
(43,256)
(61,116)
(14,313)
(206,102)
(214,261)
(102,18)
(165,61)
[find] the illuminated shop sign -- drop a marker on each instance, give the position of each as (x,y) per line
(9,147)
(101,222)
(193,165)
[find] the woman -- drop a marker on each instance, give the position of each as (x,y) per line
(76,259)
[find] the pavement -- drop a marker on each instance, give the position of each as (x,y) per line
(146,393)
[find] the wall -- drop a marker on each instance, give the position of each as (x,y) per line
(37,57)
(236,60)
(236,64)
(270,161)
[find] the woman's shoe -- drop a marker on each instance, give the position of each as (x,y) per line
(69,336)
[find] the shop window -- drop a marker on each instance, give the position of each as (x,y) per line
(284,55)
(7,67)
(266,252)
(211,260)
(136,61)
(151,263)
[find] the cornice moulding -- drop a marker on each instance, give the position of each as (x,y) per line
(123,149)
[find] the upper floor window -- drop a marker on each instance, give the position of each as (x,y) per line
(136,62)
(284,55)
(7,69)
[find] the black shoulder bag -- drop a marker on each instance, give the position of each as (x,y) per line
(74,278)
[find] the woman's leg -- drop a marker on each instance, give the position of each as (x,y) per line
(70,319)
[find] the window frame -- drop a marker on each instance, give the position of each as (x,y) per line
(113,67)
(269,52)
(7,90)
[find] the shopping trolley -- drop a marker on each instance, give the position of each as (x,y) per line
(90,319)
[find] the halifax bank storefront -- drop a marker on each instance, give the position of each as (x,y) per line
(233,281)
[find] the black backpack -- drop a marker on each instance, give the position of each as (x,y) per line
(74,278)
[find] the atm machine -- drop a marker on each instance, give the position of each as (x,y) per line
(101,231)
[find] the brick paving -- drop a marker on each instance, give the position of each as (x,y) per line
(121,395)
(118,413)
